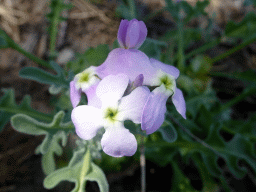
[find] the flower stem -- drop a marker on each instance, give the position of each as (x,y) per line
(132,8)
(143,164)
(54,23)
(31,56)
(237,99)
(235,49)
(192,135)
(203,48)
(180,54)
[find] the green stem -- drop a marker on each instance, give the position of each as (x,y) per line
(143,163)
(235,49)
(180,54)
(35,114)
(133,8)
(237,99)
(31,56)
(203,48)
(170,53)
(191,134)
(85,168)
(54,29)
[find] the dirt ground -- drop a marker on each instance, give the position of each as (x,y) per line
(90,23)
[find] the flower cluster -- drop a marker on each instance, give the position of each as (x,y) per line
(117,90)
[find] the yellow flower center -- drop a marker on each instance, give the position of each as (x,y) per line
(168,82)
(84,77)
(110,115)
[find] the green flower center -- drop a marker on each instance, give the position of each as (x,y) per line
(84,78)
(111,114)
(168,83)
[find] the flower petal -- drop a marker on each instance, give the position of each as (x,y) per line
(131,62)
(87,121)
(154,111)
(133,33)
(75,95)
(122,31)
(92,98)
(179,102)
(131,106)
(143,34)
(138,80)
(118,142)
(112,87)
(166,68)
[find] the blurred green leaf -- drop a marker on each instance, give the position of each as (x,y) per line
(152,47)
(127,10)
(57,7)
(42,76)
(96,56)
(91,57)
(208,99)
(237,149)
(247,76)
(250,2)
(80,170)
(180,182)
(243,127)
(204,118)
(54,90)
(190,12)
(244,29)
(201,65)
(5,40)
(186,83)
(168,132)
(160,154)
(209,184)
(190,35)
(8,107)
(173,9)
(54,132)
(197,10)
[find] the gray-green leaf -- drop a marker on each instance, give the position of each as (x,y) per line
(54,132)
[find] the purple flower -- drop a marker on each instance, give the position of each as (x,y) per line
(133,63)
(155,73)
(141,71)
(131,34)
(85,81)
(165,80)
(117,141)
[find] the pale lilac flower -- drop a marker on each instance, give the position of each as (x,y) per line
(131,34)
(165,80)
(86,82)
(133,63)
(117,141)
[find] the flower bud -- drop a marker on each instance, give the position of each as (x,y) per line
(138,81)
(131,34)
